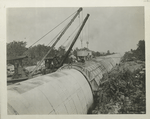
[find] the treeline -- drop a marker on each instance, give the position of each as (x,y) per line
(37,52)
(96,54)
(137,54)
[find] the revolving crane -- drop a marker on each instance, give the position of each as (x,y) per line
(20,73)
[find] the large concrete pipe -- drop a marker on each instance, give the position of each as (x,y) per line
(68,91)
(63,92)
(94,69)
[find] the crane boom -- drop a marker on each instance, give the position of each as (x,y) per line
(79,10)
(75,39)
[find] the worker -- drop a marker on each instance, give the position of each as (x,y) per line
(16,65)
(82,60)
(70,62)
(88,56)
(52,65)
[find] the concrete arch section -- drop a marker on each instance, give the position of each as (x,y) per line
(94,69)
(63,92)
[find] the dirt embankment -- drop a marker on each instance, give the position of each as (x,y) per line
(122,91)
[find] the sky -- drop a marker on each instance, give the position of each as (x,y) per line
(117,29)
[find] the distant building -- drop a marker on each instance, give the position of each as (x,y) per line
(84,53)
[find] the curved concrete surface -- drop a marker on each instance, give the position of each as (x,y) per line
(63,92)
(68,91)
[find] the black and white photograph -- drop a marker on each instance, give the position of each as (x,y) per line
(76,60)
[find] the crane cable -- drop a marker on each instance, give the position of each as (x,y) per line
(52,29)
(55,37)
(88,31)
(81,36)
(69,43)
(48,33)
(71,34)
(87,34)
(50,41)
(60,32)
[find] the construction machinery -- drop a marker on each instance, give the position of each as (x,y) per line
(51,63)
(61,34)
(20,73)
(69,90)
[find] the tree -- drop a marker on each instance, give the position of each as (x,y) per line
(108,52)
(37,52)
(15,49)
(140,51)
(98,53)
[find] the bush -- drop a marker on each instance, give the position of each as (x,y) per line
(122,92)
